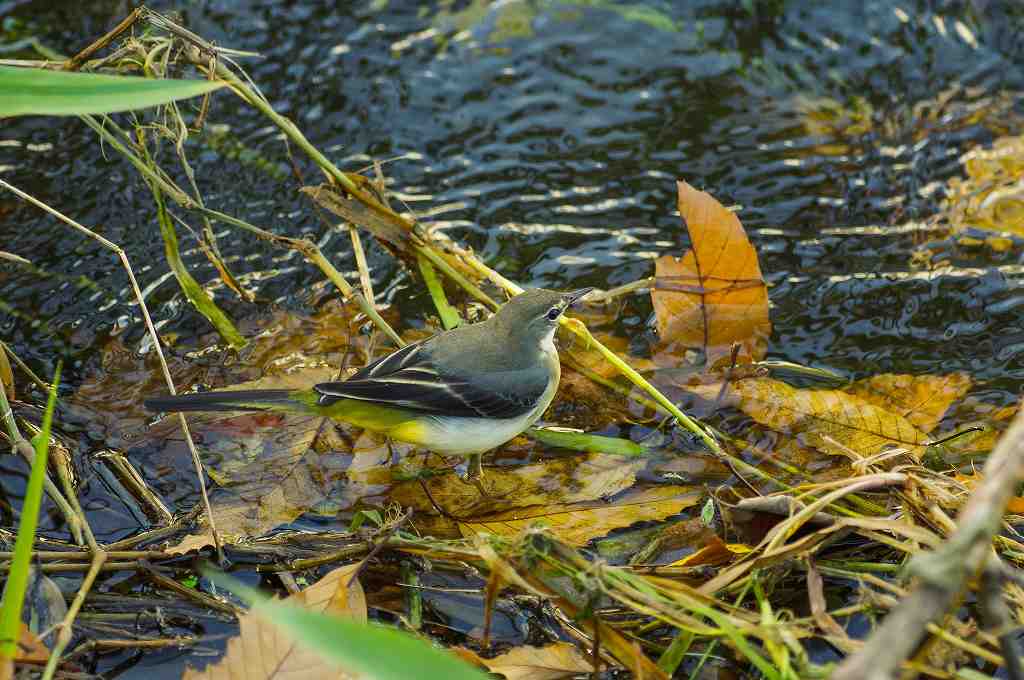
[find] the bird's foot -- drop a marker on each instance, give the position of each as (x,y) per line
(471,471)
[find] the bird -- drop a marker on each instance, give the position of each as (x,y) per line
(461,392)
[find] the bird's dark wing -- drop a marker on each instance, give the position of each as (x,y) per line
(409,379)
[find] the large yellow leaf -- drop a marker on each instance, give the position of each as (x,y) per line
(558,480)
(550,662)
(262,651)
(579,523)
(714,296)
(827,420)
(921,399)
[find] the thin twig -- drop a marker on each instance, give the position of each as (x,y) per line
(64,636)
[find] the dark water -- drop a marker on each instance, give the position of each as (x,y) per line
(547,135)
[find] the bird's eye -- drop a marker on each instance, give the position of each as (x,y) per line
(553,313)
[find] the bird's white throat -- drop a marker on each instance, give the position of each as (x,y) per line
(547,343)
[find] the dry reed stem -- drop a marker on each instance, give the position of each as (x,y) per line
(943,574)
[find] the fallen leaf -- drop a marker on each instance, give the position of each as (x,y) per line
(714,554)
(262,650)
(263,463)
(566,479)
(715,296)
(578,523)
(550,662)
(830,421)
(30,648)
(921,399)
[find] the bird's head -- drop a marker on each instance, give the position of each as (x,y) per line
(533,314)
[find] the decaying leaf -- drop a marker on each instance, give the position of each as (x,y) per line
(30,648)
(262,651)
(569,479)
(921,399)
(550,662)
(266,472)
(578,523)
(831,421)
(715,296)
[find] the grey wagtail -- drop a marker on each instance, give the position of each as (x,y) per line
(460,392)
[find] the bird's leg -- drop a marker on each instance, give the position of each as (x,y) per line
(474,473)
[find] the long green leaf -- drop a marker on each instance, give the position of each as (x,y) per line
(26,91)
(17,578)
(369,649)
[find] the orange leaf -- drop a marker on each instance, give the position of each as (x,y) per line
(30,648)
(715,296)
(551,662)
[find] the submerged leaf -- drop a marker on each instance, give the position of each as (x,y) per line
(715,296)
(579,523)
(262,651)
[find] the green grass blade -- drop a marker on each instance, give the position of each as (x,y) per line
(369,649)
(17,578)
(193,291)
(449,317)
(581,441)
(27,91)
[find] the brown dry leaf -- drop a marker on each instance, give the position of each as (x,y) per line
(830,421)
(261,650)
(921,399)
(550,662)
(30,648)
(263,463)
(578,523)
(558,480)
(715,296)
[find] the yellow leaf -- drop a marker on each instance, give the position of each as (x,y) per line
(715,553)
(551,662)
(830,421)
(921,399)
(579,523)
(715,296)
(567,479)
(262,651)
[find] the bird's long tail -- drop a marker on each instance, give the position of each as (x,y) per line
(227,400)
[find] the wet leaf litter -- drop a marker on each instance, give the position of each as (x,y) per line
(281,481)
(271,470)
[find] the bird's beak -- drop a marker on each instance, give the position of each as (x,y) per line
(575,296)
